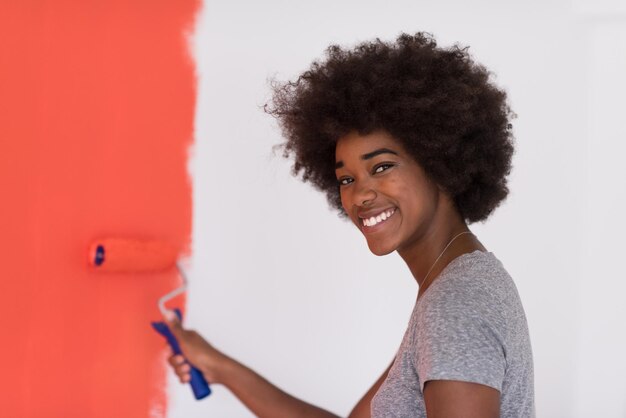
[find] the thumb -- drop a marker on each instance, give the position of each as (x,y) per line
(172,321)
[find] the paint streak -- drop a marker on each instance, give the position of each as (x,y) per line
(96,115)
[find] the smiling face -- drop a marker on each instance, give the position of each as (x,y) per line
(384,191)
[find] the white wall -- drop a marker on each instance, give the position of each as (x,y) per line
(282,284)
(602,347)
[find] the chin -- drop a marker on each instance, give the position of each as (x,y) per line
(380,250)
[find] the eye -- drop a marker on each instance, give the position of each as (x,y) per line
(344,181)
(382,167)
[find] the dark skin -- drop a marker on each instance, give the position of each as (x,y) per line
(378,176)
(394,204)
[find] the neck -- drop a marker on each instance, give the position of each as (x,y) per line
(421,255)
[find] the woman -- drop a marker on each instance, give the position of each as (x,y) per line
(411,142)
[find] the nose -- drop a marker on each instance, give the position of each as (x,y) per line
(364,194)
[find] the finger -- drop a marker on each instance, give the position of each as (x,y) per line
(176,360)
(181,374)
(182,370)
(183,377)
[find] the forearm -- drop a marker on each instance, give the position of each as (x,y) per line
(263,398)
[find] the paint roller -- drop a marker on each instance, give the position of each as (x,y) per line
(118,255)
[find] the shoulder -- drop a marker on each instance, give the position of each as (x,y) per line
(461,323)
(474,284)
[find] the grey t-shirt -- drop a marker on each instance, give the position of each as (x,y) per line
(470,326)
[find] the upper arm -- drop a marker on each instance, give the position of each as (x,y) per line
(451,398)
(362,408)
(460,360)
(454,345)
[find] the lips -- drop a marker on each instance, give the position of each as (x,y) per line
(375,219)
(366,214)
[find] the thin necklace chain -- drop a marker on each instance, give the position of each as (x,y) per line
(444,250)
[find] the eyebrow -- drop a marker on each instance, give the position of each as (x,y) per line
(369,155)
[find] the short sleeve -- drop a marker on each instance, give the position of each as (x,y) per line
(456,342)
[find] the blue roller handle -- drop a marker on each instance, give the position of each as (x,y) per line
(198,383)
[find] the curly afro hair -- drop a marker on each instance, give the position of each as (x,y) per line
(437,102)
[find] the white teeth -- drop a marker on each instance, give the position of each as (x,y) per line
(378,218)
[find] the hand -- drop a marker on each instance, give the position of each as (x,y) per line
(197,351)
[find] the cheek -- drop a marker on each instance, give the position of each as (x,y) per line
(396,187)
(346,207)
(344,200)
(412,198)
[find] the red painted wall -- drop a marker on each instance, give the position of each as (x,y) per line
(96,117)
